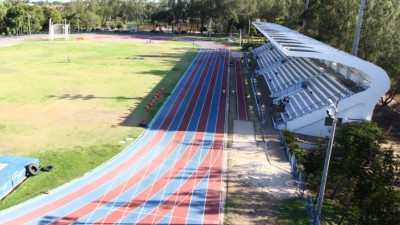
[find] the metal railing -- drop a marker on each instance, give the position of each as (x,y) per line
(253,85)
(301,184)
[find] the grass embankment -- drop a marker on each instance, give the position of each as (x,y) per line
(293,212)
(68,163)
(62,112)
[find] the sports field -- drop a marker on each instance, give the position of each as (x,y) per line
(47,103)
(63,112)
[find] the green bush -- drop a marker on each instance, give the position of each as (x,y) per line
(290,139)
(203,29)
(250,46)
(300,153)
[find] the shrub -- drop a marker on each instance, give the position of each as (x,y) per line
(203,29)
(250,46)
(290,139)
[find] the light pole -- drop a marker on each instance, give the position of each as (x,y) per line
(29,24)
(77,16)
(356,41)
(331,114)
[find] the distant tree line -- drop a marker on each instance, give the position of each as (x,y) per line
(332,22)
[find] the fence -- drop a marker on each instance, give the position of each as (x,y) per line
(301,185)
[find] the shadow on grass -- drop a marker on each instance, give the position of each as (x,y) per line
(292,211)
(169,81)
(89,97)
(168,58)
(328,213)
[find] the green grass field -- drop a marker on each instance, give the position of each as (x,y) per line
(62,113)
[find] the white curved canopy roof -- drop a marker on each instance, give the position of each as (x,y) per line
(293,43)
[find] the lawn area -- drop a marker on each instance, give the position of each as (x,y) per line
(293,211)
(62,112)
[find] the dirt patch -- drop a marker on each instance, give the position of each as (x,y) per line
(249,201)
(259,178)
(61,123)
(388,119)
(15,40)
(129,38)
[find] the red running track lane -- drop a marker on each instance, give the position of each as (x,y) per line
(240,97)
(143,197)
(214,190)
(37,213)
(213,165)
(115,192)
(179,201)
(178,198)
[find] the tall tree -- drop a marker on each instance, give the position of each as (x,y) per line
(15,19)
(4,6)
(333,22)
(380,40)
(366,176)
(53,14)
(36,17)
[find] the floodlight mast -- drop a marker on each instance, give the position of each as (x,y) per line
(77,17)
(331,114)
(29,24)
(357,35)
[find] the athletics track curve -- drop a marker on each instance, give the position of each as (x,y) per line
(170,175)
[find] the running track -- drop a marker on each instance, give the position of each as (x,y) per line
(170,175)
(240,100)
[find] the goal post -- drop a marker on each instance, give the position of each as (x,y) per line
(58,30)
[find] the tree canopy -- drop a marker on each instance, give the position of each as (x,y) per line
(363,176)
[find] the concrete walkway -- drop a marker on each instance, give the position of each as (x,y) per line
(268,168)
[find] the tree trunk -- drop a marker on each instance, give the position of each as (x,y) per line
(303,28)
(336,188)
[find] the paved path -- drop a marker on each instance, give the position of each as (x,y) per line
(264,166)
(170,175)
(240,97)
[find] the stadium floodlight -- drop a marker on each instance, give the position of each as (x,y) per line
(331,114)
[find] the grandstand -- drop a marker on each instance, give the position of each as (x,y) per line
(304,76)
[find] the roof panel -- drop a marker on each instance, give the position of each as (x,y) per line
(277,34)
(294,44)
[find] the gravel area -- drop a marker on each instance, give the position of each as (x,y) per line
(258,177)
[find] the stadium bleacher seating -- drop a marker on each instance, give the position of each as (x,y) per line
(296,84)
